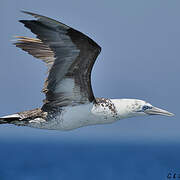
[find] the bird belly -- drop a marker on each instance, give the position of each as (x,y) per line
(71,118)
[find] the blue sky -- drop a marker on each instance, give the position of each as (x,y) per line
(140,59)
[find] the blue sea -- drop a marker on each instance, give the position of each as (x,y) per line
(29,160)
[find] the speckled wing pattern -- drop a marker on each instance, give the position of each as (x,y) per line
(69,55)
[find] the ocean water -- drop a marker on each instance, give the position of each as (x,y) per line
(28,160)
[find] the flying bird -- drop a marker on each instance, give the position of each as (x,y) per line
(70,102)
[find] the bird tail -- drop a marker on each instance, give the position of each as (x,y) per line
(23,118)
(10,119)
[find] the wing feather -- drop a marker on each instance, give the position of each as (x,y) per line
(70,56)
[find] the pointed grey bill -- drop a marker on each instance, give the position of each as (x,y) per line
(158,111)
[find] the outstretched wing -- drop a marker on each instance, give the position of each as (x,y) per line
(70,56)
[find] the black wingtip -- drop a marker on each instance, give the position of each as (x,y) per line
(24,21)
(31,14)
(27,12)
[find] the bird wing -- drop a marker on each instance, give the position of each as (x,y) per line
(69,55)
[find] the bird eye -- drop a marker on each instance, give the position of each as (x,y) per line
(146,107)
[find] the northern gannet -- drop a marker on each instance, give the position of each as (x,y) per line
(70,102)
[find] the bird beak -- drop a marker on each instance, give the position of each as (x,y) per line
(158,111)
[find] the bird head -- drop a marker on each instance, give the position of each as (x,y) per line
(140,107)
(136,107)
